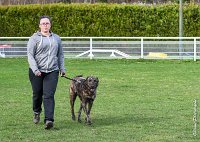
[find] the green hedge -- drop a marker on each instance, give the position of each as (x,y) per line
(101,19)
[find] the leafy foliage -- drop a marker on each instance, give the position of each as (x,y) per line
(101,19)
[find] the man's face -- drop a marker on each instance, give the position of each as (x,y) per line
(45,25)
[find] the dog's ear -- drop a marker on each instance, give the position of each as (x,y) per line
(97,79)
(85,81)
(86,78)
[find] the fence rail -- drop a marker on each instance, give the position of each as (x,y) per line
(113,47)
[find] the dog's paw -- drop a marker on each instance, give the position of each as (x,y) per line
(79,120)
(73,118)
(88,122)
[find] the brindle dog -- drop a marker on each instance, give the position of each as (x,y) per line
(85,89)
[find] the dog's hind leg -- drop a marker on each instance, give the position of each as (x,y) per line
(79,112)
(72,101)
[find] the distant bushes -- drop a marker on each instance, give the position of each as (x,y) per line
(101,19)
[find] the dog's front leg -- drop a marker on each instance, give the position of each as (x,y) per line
(82,106)
(89,107)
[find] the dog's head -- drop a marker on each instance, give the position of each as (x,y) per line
(92,83)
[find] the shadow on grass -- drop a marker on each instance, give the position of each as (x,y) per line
(119,120)
(110,121)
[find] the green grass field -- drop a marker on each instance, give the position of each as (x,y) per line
(137,101)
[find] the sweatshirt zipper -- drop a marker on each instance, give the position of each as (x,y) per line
(48,54)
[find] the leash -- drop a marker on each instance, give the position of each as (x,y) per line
(71,79)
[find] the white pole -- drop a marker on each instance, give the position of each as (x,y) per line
(142,48)
(91,55)
(180,29)
(195,49)
(195,118)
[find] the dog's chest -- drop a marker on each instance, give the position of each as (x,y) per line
(85,94)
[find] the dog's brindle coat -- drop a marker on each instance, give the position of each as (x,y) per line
(85,89)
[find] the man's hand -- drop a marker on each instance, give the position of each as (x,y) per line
(62,74)
(38,74)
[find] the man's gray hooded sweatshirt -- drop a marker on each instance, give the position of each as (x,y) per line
(45,54)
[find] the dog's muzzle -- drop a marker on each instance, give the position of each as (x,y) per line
(92,89)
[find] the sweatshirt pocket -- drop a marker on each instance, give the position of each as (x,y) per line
(55,61)
(53,64)
(41,61)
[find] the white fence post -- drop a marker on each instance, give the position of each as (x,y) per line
(195,49)
(91,55)
(142,48)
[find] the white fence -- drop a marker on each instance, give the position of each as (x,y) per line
(114,47)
